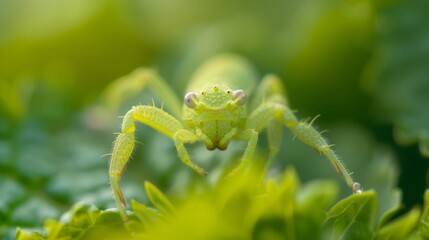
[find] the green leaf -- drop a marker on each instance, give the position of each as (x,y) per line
(318,195)
(158,199)
(352,218)
(311,203)
(238,209)
(22,234)
(401,228)
(107,225)
(73,222)
(145,214)
(396,206)
(398,73)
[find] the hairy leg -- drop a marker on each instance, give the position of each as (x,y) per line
(267,112)
(184,136)
(124,144)
(251,136)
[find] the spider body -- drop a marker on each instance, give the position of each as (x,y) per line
(216,110)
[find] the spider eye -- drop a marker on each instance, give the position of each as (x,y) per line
(240,97)
(190,99)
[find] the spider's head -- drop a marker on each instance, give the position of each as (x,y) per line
(216,111)
(215,98)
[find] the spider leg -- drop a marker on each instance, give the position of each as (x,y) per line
(125,141)
(273,112)
(251,136)
(133,83)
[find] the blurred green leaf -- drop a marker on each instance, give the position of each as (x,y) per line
(312,202)
(145,214)
(108,224)
(239,209)
(401,228)
(353,217)
(389,214)
(398,73)
(158,199)
(73,223)
(22,234)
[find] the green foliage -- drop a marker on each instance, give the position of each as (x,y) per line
(239,208)
(399,70)
(352,218)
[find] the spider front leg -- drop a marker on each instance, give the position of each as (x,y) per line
(124,144)
(270,114)
(251,136)
(184,136)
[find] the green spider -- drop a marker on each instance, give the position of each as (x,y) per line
(216,111)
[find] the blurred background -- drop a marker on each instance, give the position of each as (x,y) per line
(363,65)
